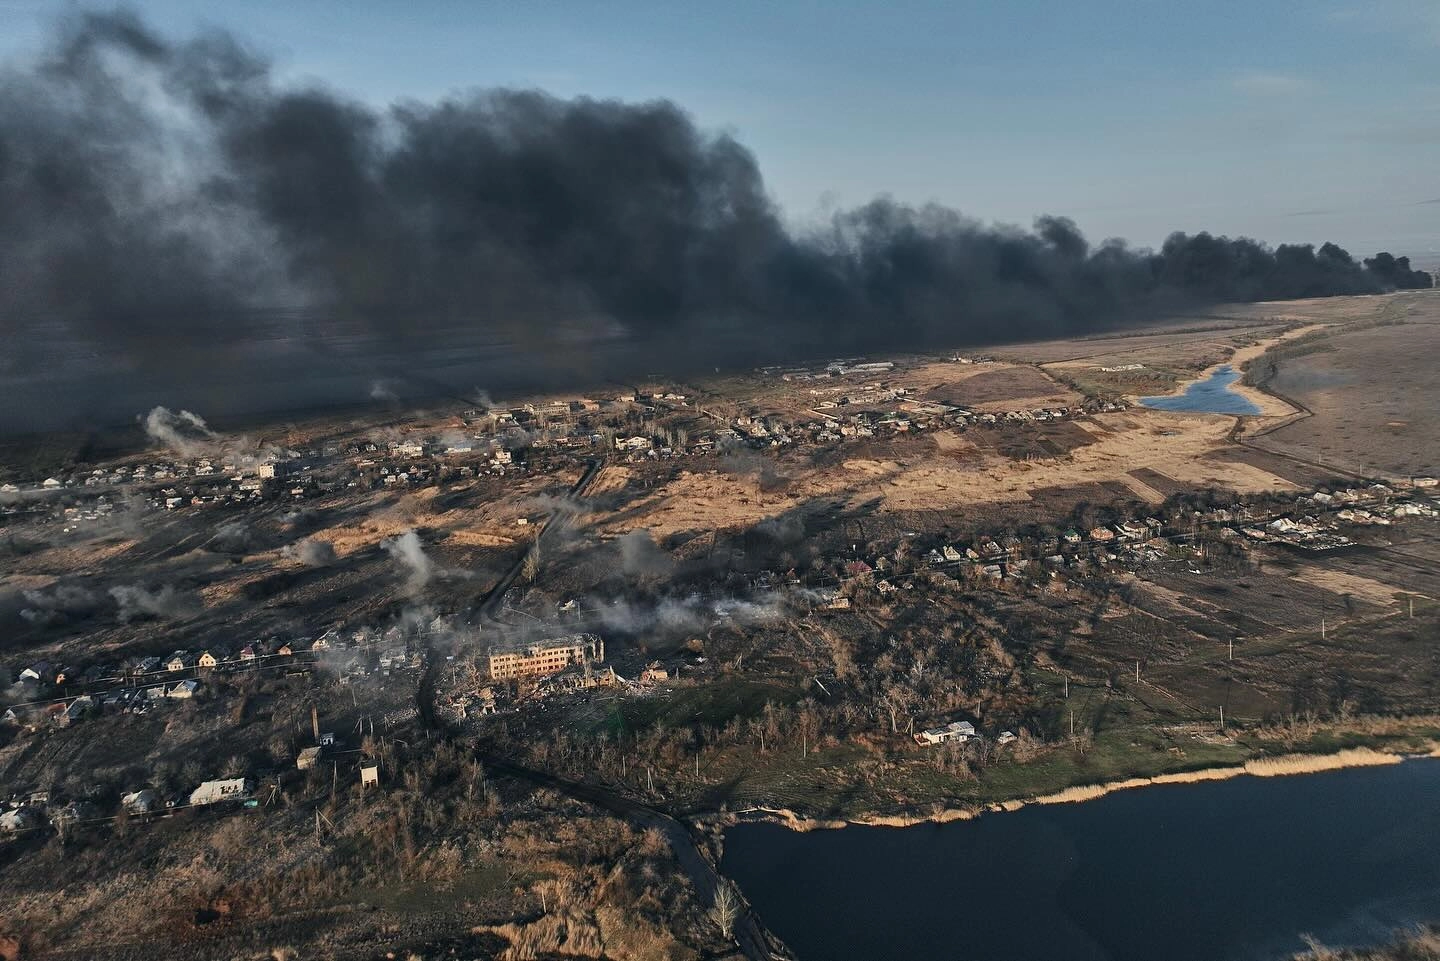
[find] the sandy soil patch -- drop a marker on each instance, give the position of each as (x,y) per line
(1175,445)
(479,539)
(612,478)
(1340,582)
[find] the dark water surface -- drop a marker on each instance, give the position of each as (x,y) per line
(1217,871)
(1213,395)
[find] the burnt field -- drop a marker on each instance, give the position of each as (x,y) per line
(1310,633)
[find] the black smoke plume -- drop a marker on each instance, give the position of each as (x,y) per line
(210,236)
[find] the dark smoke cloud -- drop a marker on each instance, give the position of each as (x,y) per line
(184,215)
(61,603)
(135,601)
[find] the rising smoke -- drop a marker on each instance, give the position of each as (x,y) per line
(176,208)
(184,433)
(408,553)
(640,557)
(312,552)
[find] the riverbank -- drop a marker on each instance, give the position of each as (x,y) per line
(1243,867)
(1272,766)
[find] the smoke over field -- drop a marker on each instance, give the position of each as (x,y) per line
(173,210)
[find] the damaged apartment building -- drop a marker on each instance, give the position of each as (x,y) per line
(544,658)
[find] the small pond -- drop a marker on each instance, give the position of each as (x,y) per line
(1213,395)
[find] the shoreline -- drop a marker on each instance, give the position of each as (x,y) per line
(1283,765)
(1269,405)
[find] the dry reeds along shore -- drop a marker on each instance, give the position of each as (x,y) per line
(1255,767)
(1282,765)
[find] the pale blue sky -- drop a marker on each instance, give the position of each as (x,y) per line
(1287,121)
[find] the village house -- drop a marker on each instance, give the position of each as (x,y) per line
(139,802)
(180,661)
(183,691)
(960,731)
(75,710)
(147,665)
(327,641)
(213,657)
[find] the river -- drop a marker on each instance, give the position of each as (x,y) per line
(1229,870)
(1212,395)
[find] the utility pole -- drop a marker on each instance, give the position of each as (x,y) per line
(1322,627)
(1232,648)
(1137,672)
(1067,687)
(1222,717)
(1072,725)
(1412,607)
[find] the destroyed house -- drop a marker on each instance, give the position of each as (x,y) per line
(545,657)
(213,792)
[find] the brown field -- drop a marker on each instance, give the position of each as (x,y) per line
(1372,395)
(1001,388)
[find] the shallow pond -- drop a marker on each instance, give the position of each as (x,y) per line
(1213,395)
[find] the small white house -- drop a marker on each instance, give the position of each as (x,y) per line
(140,802)
(183,691)
(960,731)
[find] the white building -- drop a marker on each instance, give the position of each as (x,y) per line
(961,731)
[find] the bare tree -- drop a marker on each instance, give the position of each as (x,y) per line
(725,911)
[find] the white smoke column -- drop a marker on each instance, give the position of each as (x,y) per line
(185,433)
(407,551)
